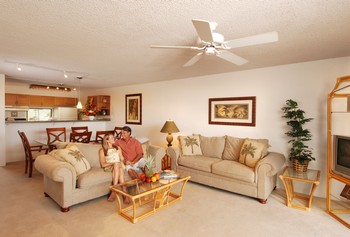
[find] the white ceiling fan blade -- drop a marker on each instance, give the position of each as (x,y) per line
(193,60)
(233,58)
(175,47)
(253,40)
(203,29)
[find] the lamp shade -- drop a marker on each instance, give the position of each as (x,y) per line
(169,127)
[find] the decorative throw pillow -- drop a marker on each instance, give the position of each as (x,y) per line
(190,145)
(73,156)
(212,146)
(232,149)
(251,152)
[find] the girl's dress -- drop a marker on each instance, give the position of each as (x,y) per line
(112,157)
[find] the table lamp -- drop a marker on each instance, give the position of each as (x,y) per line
(169,127)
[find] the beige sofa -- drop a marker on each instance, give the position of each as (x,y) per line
(227,163)
(67,187)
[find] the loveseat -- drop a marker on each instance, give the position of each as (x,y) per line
(238,165)
(69,181)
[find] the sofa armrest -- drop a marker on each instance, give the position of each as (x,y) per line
(275,162)
(174,154)
(56,170)
(158,153)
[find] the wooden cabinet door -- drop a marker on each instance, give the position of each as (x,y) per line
(48,101)
(59,101)
(22,100)
(10,99)
(70,102)
(35,100)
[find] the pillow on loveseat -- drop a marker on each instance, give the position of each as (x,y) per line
(232,149)
(72,155)
(212,146)
(252,151)
(190,145)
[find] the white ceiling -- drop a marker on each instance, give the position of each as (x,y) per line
(108,41)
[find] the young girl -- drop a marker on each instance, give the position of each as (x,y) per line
(112,160)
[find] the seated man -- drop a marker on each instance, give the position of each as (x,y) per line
(132,152)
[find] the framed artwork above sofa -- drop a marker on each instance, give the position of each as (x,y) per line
(237,111)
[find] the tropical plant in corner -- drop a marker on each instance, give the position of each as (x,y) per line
(298,134)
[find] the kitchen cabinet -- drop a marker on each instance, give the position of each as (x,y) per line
(102,103)
(41,101)
(65,101)
(16,100)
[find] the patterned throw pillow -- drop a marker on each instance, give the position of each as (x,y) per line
(251,152)
(190,145)
(72,155)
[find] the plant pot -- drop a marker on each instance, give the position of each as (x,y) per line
(300,167)
(91,117)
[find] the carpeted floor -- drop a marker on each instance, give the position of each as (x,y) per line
(204,211)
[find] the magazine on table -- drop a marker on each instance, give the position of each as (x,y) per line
(169,174)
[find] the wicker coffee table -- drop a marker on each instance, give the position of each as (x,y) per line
(137,199)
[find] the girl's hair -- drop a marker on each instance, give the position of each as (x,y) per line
(105,142)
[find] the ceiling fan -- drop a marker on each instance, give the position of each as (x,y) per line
(212,43)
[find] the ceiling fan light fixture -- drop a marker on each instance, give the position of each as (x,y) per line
(210,50)
(218,38)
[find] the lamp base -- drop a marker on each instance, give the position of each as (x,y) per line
(169,139)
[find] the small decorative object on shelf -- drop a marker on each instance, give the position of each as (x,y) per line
(300,153)
(91,117)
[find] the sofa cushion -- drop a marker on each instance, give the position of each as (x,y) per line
(232,148)
(198,162)
(90,152)
(251,152)
(75,157)
(212,146)
(190,145)
(233,169)
(94,177)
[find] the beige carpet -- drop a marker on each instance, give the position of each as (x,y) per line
(204,211)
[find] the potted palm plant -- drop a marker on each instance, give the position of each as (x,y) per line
(300,154)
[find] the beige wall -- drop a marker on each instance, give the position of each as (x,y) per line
(186,102)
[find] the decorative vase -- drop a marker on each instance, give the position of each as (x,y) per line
(300,167)
(91,117)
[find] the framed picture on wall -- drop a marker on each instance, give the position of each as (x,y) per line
(237,111)
(133,109)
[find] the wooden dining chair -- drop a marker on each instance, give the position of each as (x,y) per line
(101,134)
(118,132)
(83,137)
(55,134)
(80,129)
(28,149)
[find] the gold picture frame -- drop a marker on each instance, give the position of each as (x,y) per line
(133,109)
(236,111)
